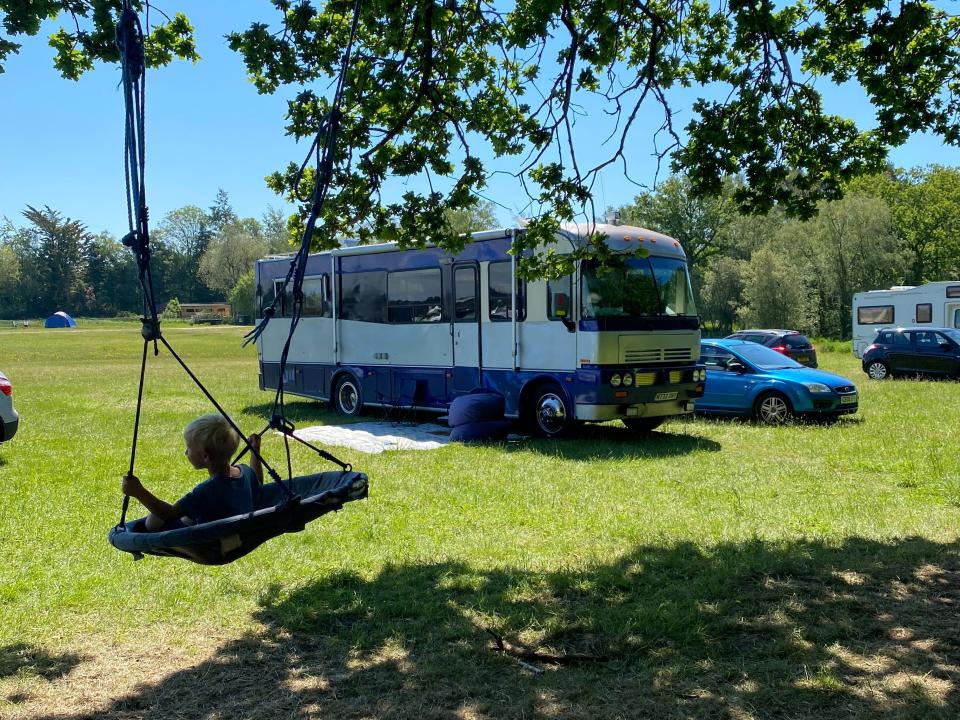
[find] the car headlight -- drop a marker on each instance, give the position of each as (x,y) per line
(615,381)
(627,379)
(816,387)
(699,375)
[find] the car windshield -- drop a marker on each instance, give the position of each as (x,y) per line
(953,335)
(765,358)
(637,287)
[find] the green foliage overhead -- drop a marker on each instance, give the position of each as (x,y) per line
(435,85)
(88,33)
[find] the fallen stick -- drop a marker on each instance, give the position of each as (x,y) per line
(522,653)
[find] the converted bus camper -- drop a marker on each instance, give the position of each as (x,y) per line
(936,304)
(386,327)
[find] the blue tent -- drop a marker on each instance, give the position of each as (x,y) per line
(59,320)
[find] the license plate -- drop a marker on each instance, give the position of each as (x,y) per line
(665,396)
(802,358)
(848,399)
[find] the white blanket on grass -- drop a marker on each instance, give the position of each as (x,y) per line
(376,437)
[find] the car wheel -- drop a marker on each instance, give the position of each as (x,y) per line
(878,370)
(643,426)
(347,398)
(549,414)
(772,409)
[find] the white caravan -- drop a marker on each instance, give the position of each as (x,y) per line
(936,304)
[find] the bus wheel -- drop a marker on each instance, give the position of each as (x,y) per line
(549,414)
(643,426)
(347,399)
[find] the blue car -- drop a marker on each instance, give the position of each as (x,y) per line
(745,378)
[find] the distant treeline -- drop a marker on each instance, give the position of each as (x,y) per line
(49,262)
(899,228)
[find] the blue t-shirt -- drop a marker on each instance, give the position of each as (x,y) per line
(221,496)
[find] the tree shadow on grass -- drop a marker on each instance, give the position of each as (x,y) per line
(303,413)
(605,442)
(754,630)
(24,659)
(300,411)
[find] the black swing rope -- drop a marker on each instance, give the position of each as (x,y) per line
(323,148)
(130,44)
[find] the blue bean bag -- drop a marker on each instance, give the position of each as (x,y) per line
(475,407)
(481,431)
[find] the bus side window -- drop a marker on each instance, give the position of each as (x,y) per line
(314,304)
(285,306)
(414,296)
(499,277)
(265,295)
(559,297)
(363,296)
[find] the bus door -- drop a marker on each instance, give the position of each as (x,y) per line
(465,328)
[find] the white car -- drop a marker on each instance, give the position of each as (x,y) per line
(8,416)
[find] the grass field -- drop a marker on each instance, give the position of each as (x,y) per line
(716,570)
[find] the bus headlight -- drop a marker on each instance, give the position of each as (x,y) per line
(627,379)
(615,381)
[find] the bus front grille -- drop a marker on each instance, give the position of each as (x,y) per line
(677,354)
(643,356)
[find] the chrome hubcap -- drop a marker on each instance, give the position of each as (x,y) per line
(347,397)
(774,411)
(551,414)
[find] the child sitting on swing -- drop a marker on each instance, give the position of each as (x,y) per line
(230,490)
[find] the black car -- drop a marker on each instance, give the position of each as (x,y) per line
(913,351)
(795,345)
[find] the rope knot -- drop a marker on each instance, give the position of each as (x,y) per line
(130,43)
(150,328)
(278,422)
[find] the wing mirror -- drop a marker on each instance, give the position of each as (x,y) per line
(561,310)
(736,366)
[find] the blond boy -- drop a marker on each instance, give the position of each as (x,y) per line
(229,490)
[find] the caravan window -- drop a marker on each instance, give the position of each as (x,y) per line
(875,315)
(414,296)
(363,296)
(500,285)
(924,313)
(953,291)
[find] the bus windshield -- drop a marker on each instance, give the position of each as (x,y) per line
(637,287)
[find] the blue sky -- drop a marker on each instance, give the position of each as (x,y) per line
(207,128)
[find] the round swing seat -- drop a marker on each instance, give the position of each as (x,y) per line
(223,541)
